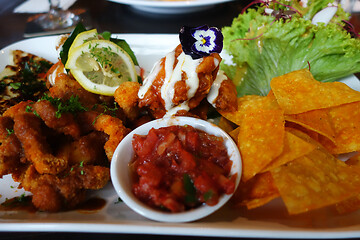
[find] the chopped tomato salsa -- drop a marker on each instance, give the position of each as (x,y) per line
(177,168)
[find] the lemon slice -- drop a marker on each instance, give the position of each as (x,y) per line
(100,66)
(83,37)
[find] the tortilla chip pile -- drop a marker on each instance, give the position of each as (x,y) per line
(290,141)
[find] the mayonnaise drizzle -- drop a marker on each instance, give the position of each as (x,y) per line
(52,76)
(214,90)
(172,75)
(148,81)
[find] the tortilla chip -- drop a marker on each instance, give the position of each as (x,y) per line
(256,192)
(250,103)
(346,123)
(307,135)
(299,92)
(306,131)
(294,147)
(316,120)
(315,181)
(354,160)
(235,134)
(352,204)
(260,140)
(226,125)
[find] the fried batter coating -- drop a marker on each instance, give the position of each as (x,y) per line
(113,127)
(178,85)
(58,152)
(65,86)
(88,149)
(65,123)
(227,97)
(6,125)
(54,193)
(126,95)
(28,129)
(17,109)
(11,153)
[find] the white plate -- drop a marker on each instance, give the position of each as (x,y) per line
(171,6)
(269,221)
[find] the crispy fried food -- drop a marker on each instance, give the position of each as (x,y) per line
(88,149)
(126,95)
(178,82)
(64,124)
(60,145)
(114,128)
(11,153)
(29,130)
(54,193)
(17,109)
(223,94)
(65,86)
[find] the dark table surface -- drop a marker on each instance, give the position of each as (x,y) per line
(116,18)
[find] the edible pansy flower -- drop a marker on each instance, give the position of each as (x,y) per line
(201,41)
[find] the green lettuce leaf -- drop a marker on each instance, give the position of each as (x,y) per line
(262,48)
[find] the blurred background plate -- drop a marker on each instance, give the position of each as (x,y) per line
(171,6)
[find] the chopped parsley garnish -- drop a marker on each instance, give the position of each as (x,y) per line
(70,106)
(30,84)
(17,201)
(107,110)
(9,131)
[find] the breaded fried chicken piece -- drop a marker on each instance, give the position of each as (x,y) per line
(113,127)
(88,149)
(223,94)
(17,109)
(6,126)
(126,95)
(28,129)
(54,193)
(11,153)
(64,124)
(178,83)
(65,87)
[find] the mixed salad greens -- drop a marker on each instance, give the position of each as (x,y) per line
(276,37)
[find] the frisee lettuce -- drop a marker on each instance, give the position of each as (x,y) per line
(263,47)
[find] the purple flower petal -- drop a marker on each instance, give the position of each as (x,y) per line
(201,41)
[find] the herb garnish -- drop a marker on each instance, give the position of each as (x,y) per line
(9,131)
(2,86)
(107,110)
(72,105)
(208,195)
(17,201)
(189,189)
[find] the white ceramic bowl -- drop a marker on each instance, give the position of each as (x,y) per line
(120,173)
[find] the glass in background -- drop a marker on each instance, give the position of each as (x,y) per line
(57,18)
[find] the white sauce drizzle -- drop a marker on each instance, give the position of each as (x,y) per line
(52,76)
(148,81)
(172,75)
(215,87)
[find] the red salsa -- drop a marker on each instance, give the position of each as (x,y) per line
(177,168)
